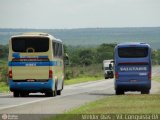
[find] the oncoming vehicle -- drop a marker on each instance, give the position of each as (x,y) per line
(35,64)
(132,68)
(108,69)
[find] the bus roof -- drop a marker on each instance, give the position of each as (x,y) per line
(37,34)
(133,44)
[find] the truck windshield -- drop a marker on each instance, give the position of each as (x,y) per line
(133,52)
(30,44)
(106,68)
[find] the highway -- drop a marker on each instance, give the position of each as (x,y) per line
(72,96)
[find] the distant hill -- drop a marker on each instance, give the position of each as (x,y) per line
(94,36)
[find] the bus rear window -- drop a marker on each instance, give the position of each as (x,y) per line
(30,44)
(133,52)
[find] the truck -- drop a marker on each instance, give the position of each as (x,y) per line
(108,69)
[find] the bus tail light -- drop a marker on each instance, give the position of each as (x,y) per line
(116,75)
(149,76)
(10,74)
(50,74)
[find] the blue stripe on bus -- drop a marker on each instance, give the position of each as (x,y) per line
(32,86)
(16,55)
(42,56)
(50,63)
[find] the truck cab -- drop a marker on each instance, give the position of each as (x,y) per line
(108,69)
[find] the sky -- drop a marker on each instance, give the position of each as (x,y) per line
(68,14)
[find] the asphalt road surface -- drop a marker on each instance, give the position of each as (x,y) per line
(72,96)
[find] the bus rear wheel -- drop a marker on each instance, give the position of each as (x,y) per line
(16,94)
(49,94)
(145,92)
(52,93)
(58,92)
(119,92)
(24,94)
(55,91)
(106,77)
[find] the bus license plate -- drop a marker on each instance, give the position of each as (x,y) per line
(133,80)
(30,80)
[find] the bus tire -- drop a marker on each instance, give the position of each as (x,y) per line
(112,76)
(52,93)
(49,94)
(119,92)
(58,92)
(24,94)
(55,92)
(62,84)
(16,94)
(145,92)
(106,77)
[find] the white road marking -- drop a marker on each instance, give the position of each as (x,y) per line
(69,87)
(11,106)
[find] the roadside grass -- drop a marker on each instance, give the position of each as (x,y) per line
(80,74)
(122,104)
(3,68)
(156,78)
(82,79)
(3,87)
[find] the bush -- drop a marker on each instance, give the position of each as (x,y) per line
(4,71)
(68,75)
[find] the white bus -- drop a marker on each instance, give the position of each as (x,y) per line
(35,64)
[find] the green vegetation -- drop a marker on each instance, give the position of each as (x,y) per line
(3,52)
(3,71)
(3,87)
(131,104)
(83,71)
(87,61)
(79,74)
(156,57)
(156,78)
(124,104)
(81,80)
(85,56)
(3,76)
(3,68)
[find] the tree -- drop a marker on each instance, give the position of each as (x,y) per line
(86,57)
(104,52)
(3,51)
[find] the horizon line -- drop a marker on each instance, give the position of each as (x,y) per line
(82,28)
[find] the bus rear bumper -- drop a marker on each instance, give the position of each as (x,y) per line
(133,86)
(31,86)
